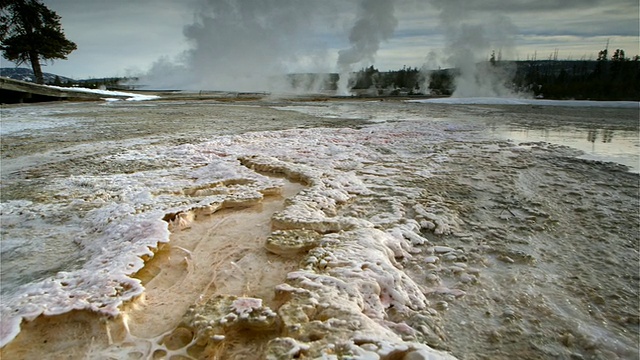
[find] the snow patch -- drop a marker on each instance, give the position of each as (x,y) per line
(109,93)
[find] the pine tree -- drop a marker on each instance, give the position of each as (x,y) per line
(30,32)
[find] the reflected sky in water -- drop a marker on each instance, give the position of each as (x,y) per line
(620,146)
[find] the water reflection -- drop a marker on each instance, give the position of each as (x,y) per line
(607,135)
(620,146)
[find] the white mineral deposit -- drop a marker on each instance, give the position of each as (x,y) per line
(284,229)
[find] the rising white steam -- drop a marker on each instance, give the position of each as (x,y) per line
(375,23)
(248,45)
(471,37)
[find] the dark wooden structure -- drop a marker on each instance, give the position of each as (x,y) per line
(16,91)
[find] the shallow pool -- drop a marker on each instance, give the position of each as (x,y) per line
(602,144)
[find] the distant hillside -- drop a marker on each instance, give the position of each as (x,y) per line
(26,74)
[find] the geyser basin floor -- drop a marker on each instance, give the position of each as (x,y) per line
(445,234)
(218,254)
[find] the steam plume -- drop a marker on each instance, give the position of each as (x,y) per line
(471,36)
(375,23)
(247,45)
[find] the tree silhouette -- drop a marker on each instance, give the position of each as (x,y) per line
(30,32)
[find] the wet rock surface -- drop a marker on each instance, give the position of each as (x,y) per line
(547,237)
(410,239)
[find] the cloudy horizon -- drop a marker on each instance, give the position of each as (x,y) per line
(122,38)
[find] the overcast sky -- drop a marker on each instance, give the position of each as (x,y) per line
(124,37)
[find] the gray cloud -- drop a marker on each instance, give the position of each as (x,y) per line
(537,6)
(118,35)
(308,35)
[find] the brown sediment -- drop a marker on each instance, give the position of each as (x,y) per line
(222,253)
(68,335)
(218,254)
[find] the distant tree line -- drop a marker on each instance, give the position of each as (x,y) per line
(607,78)
(406,81)
(370,80)
(100,83)
(614,77)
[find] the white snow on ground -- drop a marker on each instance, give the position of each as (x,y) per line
(13,120)
(515,101)
(109,93)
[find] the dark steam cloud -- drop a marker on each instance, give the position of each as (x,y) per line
(375,23)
